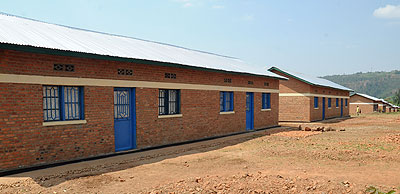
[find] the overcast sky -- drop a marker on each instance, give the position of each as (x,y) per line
(317,37)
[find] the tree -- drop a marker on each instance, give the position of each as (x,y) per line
(396,97)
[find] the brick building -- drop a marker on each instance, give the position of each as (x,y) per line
(306,98)
(68,93)
(367,104)
(389,107)
(382,106)
(393,108)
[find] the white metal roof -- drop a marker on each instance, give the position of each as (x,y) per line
(311,79)
(22,31)
(368,96)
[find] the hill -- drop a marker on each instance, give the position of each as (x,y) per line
(379,84)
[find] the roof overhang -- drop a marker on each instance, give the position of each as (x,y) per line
(307,82)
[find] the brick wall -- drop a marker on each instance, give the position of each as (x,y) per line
(365,108)
(316,114)
(294,108)
(25,141)
(301,108)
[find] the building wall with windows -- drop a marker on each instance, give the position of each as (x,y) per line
(366,105)
(297,101)
(335,109)
(28,137)
(381,107)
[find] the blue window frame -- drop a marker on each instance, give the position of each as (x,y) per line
(329,102)
(346,102)
(315,102)
(63,103)
(226,101)
(169,102)
(337,102)
(266,100)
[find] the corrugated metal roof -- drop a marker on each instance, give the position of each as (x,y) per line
(311,79)
(367,96)
(22,31)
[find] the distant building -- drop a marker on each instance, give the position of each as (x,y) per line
(367,104)
(382,106)
(68,94)
(306,98)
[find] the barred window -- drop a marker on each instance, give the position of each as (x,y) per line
(169,102)
(266,100)
(315,102)
(62,103)
(226,101)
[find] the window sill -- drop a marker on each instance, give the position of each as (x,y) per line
(169,116)
(226,113)
(329,107)
(73,122)
(266,109)
(316,108)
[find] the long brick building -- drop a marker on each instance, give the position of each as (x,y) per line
(68,93)
(306,98)
(367,103)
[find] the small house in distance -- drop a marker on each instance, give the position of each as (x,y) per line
(305,98)
(68,94)
(367,103)
(382,106)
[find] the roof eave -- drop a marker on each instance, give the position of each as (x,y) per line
(307,82)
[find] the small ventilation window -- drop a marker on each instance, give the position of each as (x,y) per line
(129,72)
(121,71)
(125,72)
(58,67)
(170,75)
(228,80)
(70,68)
(266,84)
(250,82)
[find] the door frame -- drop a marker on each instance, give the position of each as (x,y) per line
(341,107)
(132,109)
(323,108)
(251,95)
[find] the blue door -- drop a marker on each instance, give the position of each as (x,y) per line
(249,111)
(341,107)
(323,108)
(124,119)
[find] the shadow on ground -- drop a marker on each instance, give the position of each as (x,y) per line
(56,175)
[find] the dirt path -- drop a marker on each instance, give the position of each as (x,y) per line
(280,160)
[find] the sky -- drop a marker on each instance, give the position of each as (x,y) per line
(309,36)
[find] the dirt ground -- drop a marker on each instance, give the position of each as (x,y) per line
(279,160)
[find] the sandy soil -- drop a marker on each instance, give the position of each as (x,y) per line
(280,160)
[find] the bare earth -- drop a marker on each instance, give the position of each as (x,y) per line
(280,160)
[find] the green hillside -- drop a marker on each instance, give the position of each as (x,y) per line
(379,84)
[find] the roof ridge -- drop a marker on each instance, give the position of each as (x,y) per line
(117,35)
